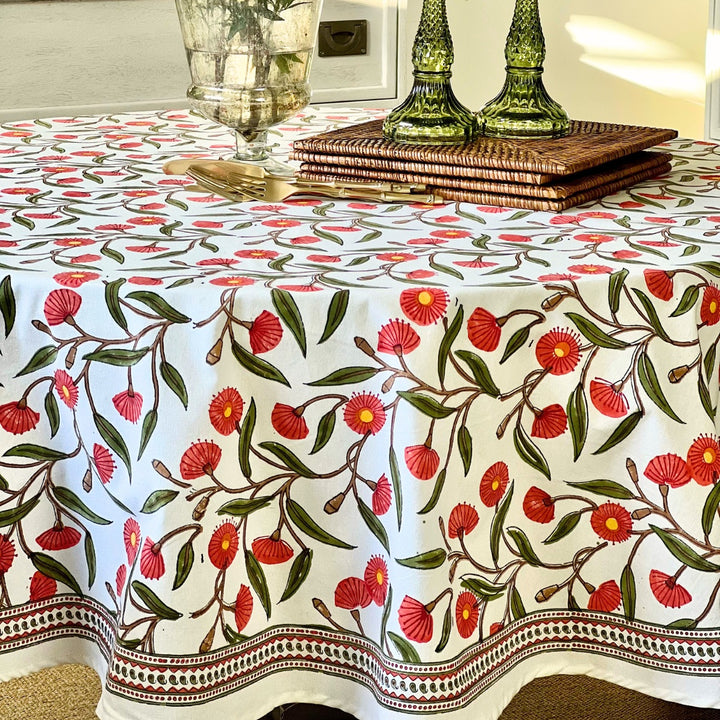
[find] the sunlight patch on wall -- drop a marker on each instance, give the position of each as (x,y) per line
(637,57)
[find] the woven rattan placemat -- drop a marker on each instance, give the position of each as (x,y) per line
(529,203)
(562,188)
(588,145)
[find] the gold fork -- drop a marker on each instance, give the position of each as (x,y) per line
(238,186)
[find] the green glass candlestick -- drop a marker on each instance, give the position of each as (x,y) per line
(431,114)
(523,109)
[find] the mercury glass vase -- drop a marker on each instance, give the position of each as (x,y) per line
(431,114)
(523,109)
(249,63)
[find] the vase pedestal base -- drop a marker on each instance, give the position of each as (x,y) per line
(431,114)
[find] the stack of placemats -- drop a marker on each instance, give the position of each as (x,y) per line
(594,160)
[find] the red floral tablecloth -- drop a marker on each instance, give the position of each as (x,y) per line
(392,458)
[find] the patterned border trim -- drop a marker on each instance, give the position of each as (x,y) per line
(427,689)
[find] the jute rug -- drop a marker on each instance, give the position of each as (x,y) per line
(70,692)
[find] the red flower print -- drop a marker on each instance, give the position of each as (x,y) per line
(668,469)
(376,579)
(223,546)
(120,578)
(20,191)
(75,279)
(466,614)
(289,422)
(301,288)
(271,550)
(630,204)
(666,590)
(710,306)
(493,484)
(462,521)
(129,404)
(555,277)
(364,413)
(659,283)
(243,607)
(550,422)
(208,224)
(451,234)
(397,256)
(147,220)
(83,259)
(201,458)
(382,496)
(17,417)
(658,243)
(7,554)
(538,506)
(515,238)
(426,241)
(496,626)
(352,593)
(257,253)
(564,220)
(483,330)
(226,410)
(590,269)
(140,193)
(596,214)
(558,351)
(422,461)
(703,459)
(41,587)
(420,274)
(61,306)
(152,564)
(424,305)
(74,242)
(66,388)
(131,538)
(104,463)
(593,238)
(474,263)
(138,280)
(281,223)
(607,399)
(324,258)
(606,598)
(58,537)
(415,620)
(661,220)
(397,337)
(265,332)
(217,261)
(304,240)
(626,254)
(611,522)
(146,249)
(234,281)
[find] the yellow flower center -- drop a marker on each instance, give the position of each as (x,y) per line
(78,275)
(466,612)
(713,306)
(709,456)
(379,577)
(495,484)
(425,298)
(366,415)
(562,349)
(74,242)
(227,412)
(612,524)
(225,543)
(133,539)
(66,394)
(398,257)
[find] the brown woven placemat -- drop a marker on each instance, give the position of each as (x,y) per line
(529,203)
(562,188)
(588,145)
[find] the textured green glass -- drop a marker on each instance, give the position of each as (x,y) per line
(523,109)
(431,114)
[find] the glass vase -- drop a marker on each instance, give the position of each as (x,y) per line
(431,114)
(523,109)
(249,63)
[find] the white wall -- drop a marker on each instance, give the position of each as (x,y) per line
(129,53)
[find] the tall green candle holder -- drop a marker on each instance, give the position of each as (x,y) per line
(431,114)
(523,109)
